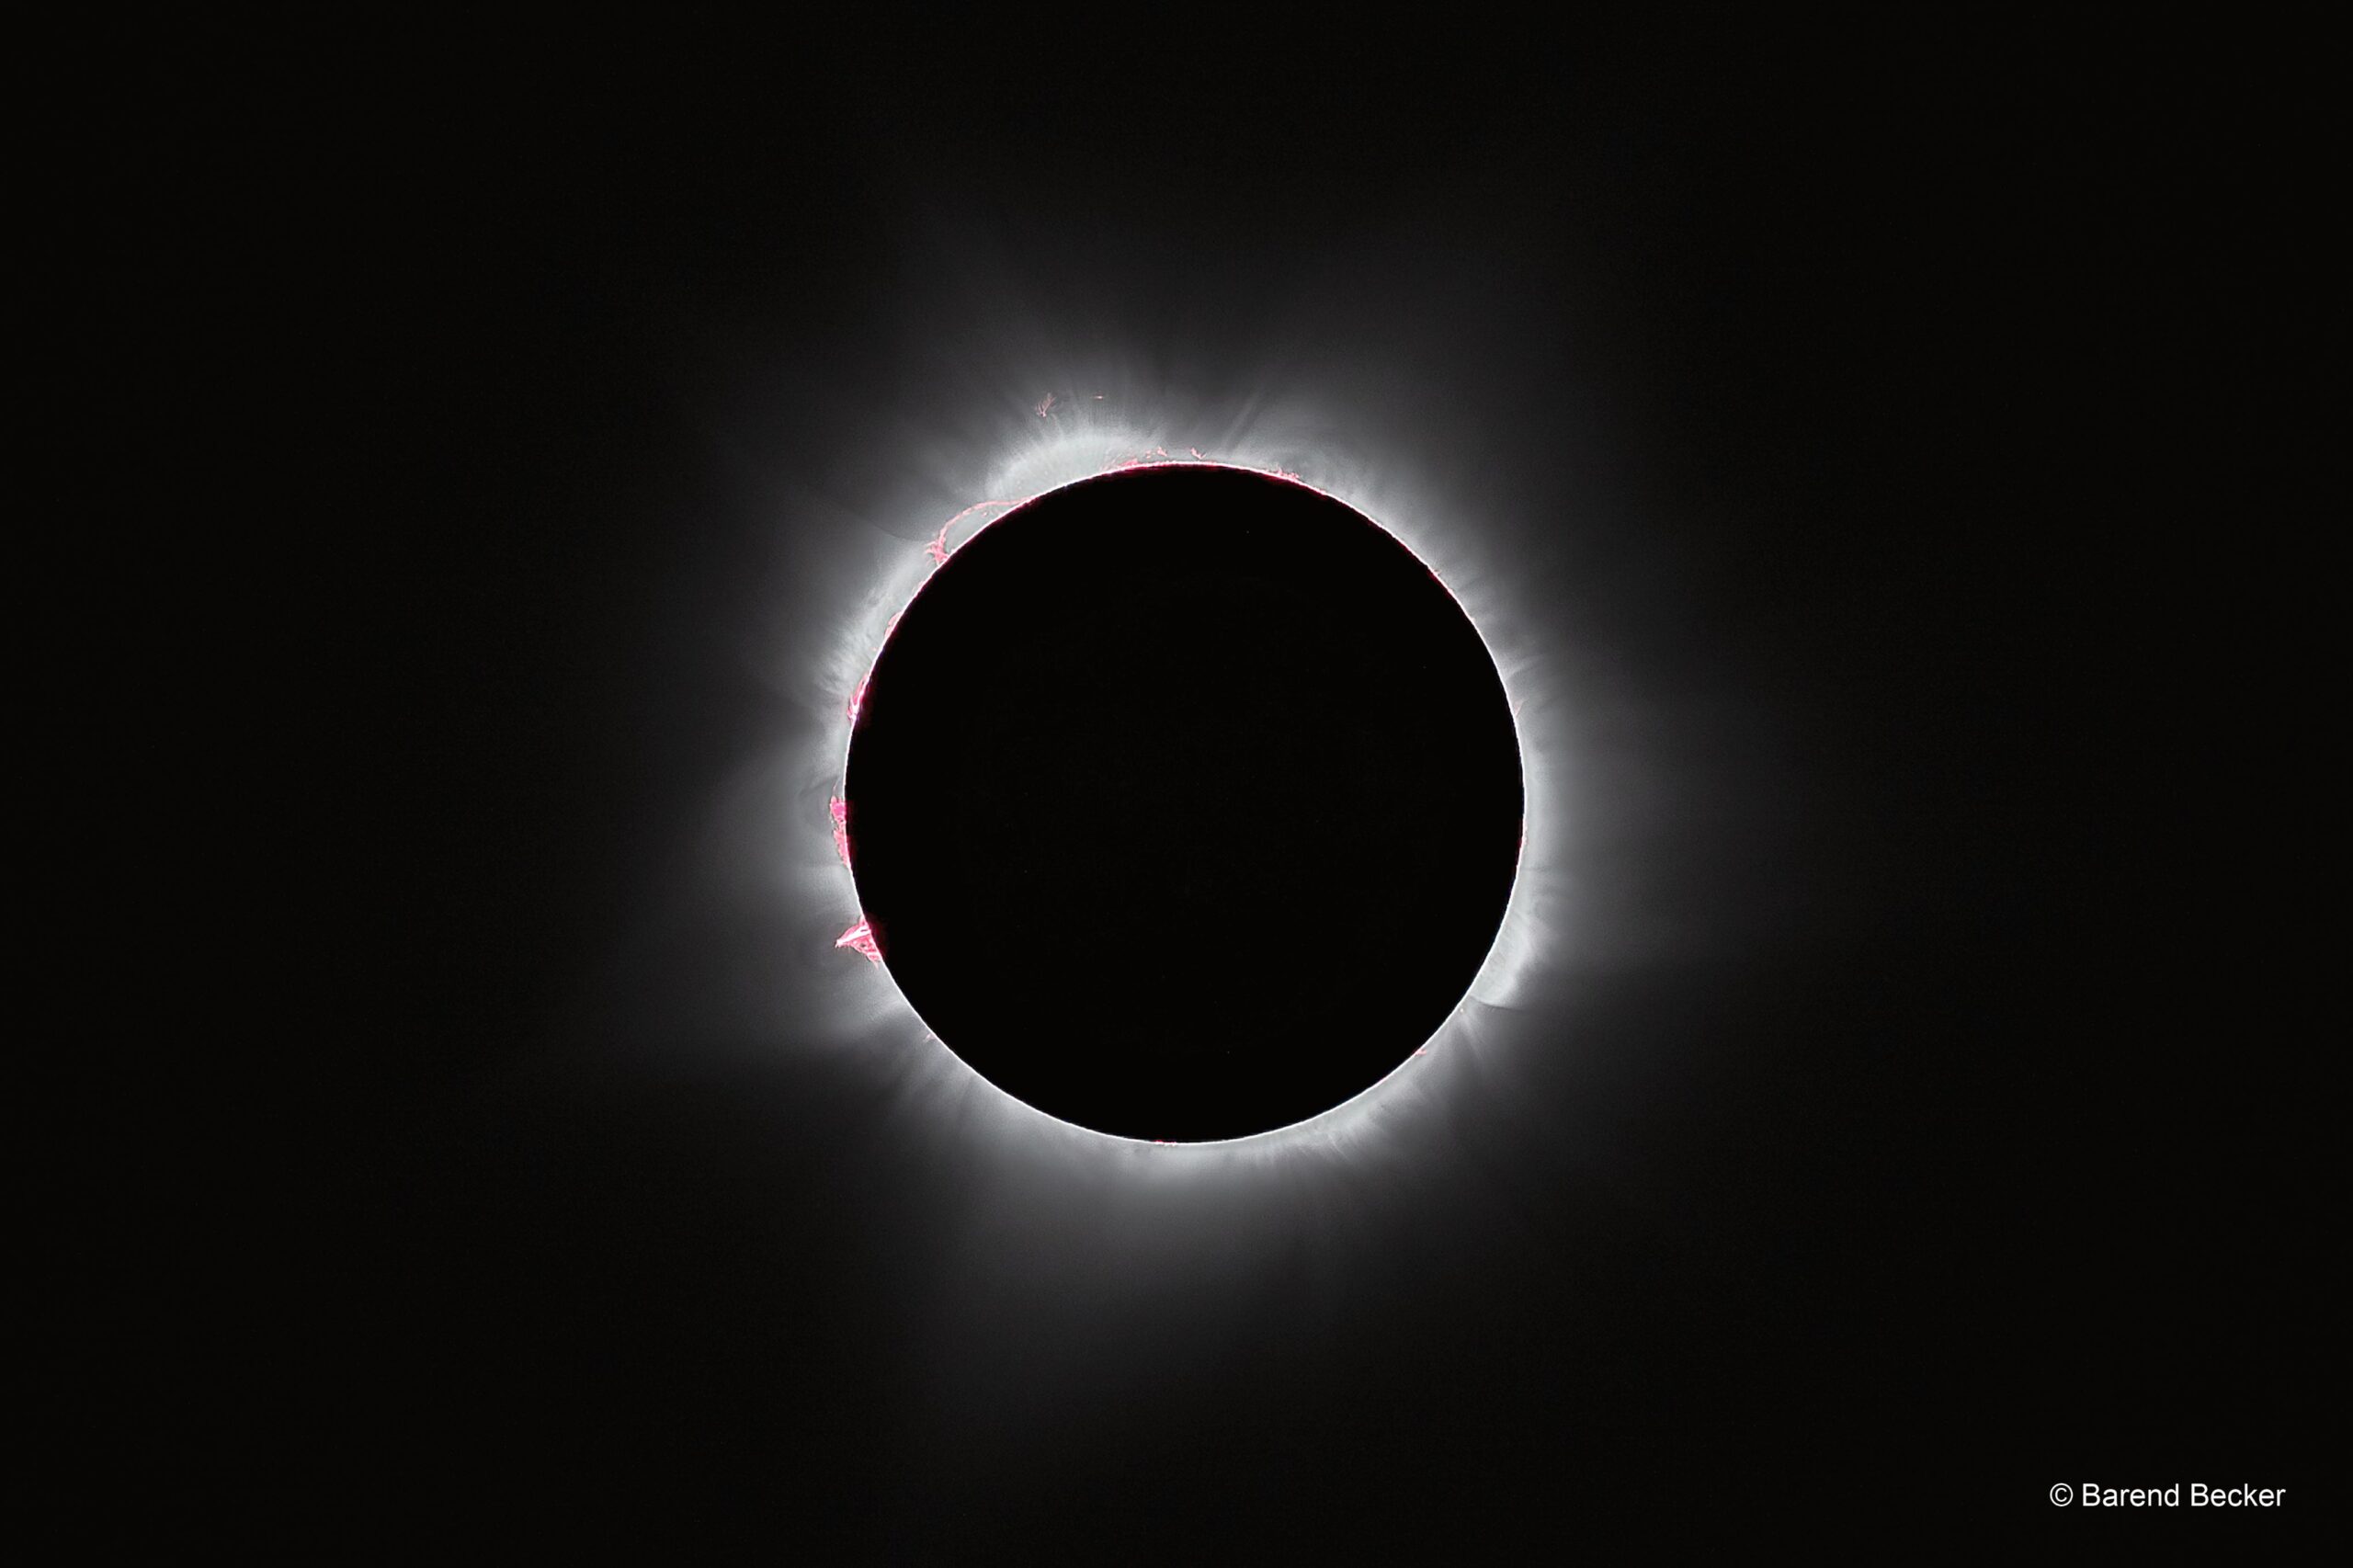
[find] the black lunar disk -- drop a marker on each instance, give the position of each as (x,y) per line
(1184,803)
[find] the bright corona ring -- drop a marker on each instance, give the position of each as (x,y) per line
(1184,803)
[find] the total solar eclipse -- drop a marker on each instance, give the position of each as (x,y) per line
(1184,803)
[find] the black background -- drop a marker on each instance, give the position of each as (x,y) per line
(1896,434)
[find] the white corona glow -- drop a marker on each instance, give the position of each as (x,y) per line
(1056,440)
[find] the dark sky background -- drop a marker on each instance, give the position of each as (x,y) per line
(1882,433)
